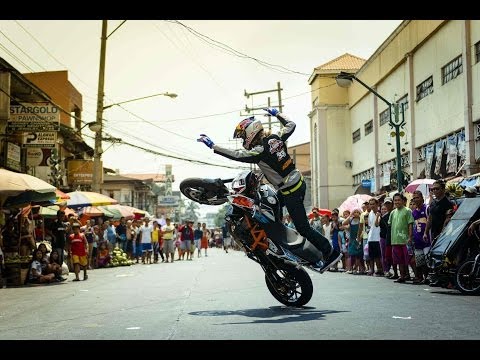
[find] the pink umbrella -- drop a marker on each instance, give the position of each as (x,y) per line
(354,202)
(419,184)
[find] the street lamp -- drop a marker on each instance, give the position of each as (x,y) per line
(345,80)
(171,95)
(93,126)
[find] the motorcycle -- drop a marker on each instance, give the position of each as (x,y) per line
(254,220)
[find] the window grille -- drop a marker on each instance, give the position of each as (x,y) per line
(369,127)
(356,135)
(421,153)
(404,101)
(452,69)
(405,160)
(477,52)
(384,117)
(477,131)
(425,88)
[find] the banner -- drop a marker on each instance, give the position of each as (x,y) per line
(439,146)
(429,151)
(452,154)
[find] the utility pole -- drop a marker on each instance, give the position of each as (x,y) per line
(278,90)
(97,163)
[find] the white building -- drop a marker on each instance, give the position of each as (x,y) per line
(431,67)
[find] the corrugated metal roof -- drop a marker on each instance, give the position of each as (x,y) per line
(343,62)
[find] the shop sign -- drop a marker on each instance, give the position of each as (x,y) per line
(41,139)
(34,117)
(34,156)
(168,200)
(366,183)
(80,172)
(13,156)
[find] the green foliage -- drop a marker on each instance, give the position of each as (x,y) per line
(191,208)
(220,218)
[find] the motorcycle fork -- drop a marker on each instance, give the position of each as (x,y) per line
(260,242)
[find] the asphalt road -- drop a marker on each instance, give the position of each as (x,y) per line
(224,296)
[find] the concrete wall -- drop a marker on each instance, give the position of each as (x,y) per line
(475,37)
(442,111)
(364,149)
(62,92)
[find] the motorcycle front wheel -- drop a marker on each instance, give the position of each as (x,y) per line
(204,191)
(291,286)
(466,280)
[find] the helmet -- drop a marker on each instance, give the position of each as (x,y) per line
(247,129)
(245,183)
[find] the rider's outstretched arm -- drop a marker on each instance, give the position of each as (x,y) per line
(288,125)
(246,156)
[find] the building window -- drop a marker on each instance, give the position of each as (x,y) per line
(405,159)
(369,127)
(384,117)
(421,153)
(404,101)
(425,88)
(452,69)
(477,52)
(356,135)
(477,131)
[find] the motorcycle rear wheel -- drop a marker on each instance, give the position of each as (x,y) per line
(466,283)
(294,288)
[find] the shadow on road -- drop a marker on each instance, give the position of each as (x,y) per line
(271,315)
(447,292)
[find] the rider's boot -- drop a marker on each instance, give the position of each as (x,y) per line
(328,262)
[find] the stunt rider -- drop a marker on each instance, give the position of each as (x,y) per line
(271,155)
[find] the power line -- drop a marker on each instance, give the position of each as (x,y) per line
(234,52)
(52,56)
(23,52)
(233,111)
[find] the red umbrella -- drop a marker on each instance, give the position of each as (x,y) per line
(320,212)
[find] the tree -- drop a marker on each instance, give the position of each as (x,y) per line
(191,210)
(220,218)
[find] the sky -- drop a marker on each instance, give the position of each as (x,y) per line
(208,63)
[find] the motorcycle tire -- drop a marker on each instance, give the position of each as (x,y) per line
(295,297)
(204,191)
(466,283)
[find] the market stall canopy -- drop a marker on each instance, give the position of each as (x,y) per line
(51,211)
(87,198)
(18,190)
(29,198)
(119,211)
(91,211)
(61,195)
(13,183)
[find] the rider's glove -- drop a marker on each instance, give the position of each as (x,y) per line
(271,111)
(206,140)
